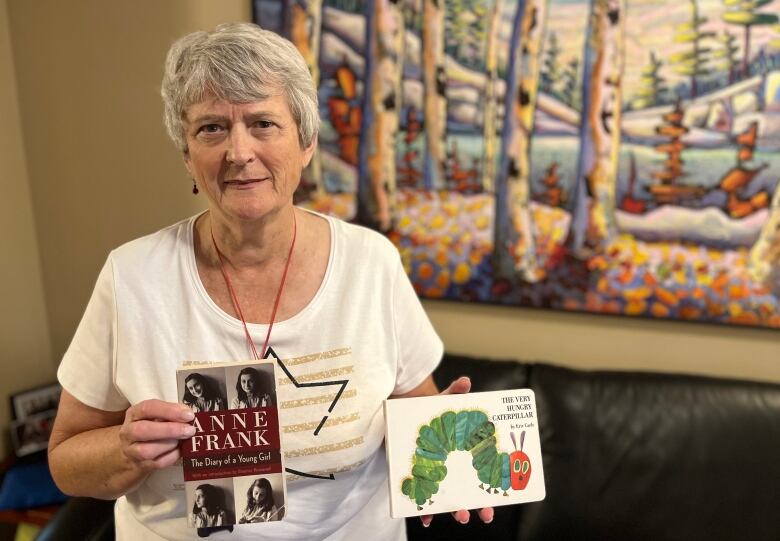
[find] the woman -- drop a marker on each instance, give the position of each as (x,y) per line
(200,395)
(241,107)
(207,510)
(260,505)
(249,393)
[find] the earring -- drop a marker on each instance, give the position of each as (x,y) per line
(194,188)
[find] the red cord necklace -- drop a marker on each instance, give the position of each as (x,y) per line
(234,298)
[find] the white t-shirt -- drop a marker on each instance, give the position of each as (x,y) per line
(149,312)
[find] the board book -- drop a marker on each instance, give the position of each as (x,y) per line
(233,465)
(463,451)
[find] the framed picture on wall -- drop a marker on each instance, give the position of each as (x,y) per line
(32,433)
(35,401)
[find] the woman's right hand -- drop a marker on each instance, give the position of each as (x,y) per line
(151,432)
(105,454)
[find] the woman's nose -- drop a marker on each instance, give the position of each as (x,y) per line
(239,150)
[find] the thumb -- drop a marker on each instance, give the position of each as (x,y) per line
(462,385)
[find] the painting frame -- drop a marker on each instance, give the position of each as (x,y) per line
(36,400)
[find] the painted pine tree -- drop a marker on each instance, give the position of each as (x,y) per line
(745,13)
(652,86)
(570,91)
(693,61)
(435,100)
(379,127)
(490,103)
(726,54)
(593,211)
(465,23)
(551,71)
(514,247)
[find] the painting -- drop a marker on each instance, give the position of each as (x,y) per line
(602,156)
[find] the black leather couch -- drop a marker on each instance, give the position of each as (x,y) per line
(628,456)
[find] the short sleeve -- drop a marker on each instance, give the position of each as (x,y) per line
(87,370)
(420,348)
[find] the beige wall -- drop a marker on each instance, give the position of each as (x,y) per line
(101,168)
(24,332)
(607,342)
(101,172)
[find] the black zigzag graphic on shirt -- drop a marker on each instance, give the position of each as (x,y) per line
(343,385)
(341,382)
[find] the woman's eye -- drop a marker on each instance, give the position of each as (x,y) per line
(210,128)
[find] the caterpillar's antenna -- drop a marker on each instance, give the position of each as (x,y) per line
(512,435)
(522,440)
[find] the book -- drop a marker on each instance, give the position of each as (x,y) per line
(462,451)
(233,465)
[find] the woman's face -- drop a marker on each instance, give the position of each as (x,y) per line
(195,387)
(245,157)
(200,498)
(258,492)
(247,383)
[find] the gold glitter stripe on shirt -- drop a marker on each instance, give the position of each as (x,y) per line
(332,421)
(320,399)
(341,352)
(324,473)
(316,376)
(324,448)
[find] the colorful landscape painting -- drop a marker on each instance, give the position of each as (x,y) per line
(601,156)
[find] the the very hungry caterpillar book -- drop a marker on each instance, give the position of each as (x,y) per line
(464,451)
(233,465)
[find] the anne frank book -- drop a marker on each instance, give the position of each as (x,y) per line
(233,465)
(462,451)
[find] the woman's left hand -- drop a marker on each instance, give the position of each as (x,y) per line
(461,385)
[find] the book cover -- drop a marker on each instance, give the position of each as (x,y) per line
(233,465)
(463,451)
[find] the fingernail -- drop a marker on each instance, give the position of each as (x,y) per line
(189,431)
(187,415)
(492,514)
(426,524)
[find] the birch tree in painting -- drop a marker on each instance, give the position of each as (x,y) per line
(383,66)
(305,27)
(515,252)
(490,104)
(396,45)
(434,82)
(593,212)
(764,259)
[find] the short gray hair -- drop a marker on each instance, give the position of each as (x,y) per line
(240,63)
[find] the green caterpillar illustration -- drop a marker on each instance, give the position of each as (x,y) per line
(466,430)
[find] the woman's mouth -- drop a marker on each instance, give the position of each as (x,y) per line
(243,183)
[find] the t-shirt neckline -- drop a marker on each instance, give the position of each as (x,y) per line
(213,307)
